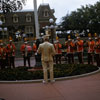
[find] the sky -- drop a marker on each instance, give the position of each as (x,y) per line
(61,7)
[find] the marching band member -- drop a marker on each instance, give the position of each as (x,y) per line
(70,50)
(58,50)
(2,55)
(36,54)
(11,53)
(26,50)
(97,51)
(35,50)
(90,45)
(34,47)
(79,45)
(7,57)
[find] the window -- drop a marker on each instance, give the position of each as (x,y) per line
(2,18)
(15,18)
(45,13)
(28,18)
(29,29)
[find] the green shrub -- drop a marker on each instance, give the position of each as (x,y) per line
(60,70)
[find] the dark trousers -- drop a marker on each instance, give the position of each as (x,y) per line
(97,56)
(7,61)
(58,58)
(38,60)
(70,58)
(80,57)
(90,58)
(2,63)
(26,59)
(12,61)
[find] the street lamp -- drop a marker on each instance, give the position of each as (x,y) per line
(51,20)
(2,30)
(1,22)
(42,34)
(50,30)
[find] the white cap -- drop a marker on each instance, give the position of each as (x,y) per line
(10,40)
(78,37)
(90,38)
(69,39)
(25,42)
(96,38)
(1,43)
(57,40)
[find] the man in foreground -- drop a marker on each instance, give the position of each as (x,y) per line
(47,52)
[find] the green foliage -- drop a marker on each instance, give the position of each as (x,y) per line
(11,5)
(22,73)
(73,69)
(83,19)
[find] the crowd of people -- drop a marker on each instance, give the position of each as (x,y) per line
(92,44)
(7,53)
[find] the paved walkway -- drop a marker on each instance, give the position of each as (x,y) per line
(85,88)
(19,62)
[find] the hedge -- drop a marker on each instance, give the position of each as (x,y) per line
(60,70)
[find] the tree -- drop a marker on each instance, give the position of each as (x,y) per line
(83,19)
(7,6)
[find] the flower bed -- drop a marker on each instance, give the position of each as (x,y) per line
(63,70)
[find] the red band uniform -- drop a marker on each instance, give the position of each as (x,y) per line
(37,55)
(2,56)
(90,44)
(11,54)
(79,45)
(58,50)
(70,51)
(26,52)
(97,52)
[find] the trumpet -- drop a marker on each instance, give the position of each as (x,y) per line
(3,53)
(12,51)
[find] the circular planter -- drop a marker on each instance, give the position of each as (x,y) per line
(61,72)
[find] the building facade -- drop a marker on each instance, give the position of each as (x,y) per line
(22,22)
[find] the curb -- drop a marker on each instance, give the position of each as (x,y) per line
(78,76)
(57,79)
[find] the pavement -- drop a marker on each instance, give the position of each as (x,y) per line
(83,88)
(20,62)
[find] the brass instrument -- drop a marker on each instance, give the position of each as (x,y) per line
(11,50)
(57,48)
(3,53)
(26,51)
(98,46)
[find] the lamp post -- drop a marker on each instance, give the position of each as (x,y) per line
(1,22)
(52,29)
(36,19)
(2,30)
(42,34)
